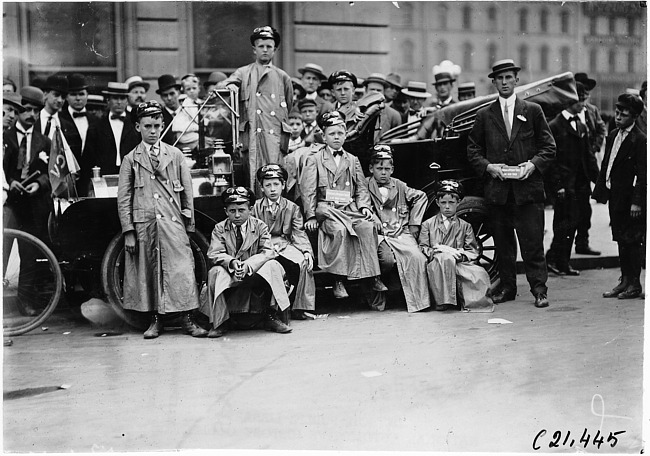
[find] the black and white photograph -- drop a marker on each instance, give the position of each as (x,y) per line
(333,226)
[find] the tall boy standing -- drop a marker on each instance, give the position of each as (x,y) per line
(156,209)
(266,97)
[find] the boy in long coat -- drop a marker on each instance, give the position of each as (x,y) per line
(623,184)
(450,246)
(156,209)
(245,278)
(266,97)
(335,200)
(399,210)
(288,237)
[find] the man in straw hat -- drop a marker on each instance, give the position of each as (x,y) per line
(266,97)
(513,133)
(312,76)
(137,93)
(417,93)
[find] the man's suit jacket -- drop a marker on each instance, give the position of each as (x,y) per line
(530,140)
(101,149)
(169,137)
(629,164)
(597,128)
(71,132)
(323,106)
(575,163)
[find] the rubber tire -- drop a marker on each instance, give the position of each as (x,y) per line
(112,280)
(58,283)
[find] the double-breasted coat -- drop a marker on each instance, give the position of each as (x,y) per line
(403,207)
(158,205)
(257,253)
(347,242)
(444,272)
(290,241)
(265,98)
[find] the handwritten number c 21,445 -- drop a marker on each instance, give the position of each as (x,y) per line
(560,439)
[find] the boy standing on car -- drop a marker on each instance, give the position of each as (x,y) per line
(156,209)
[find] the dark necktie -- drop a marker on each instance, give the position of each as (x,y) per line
(76,114)
(580,128)
(117,117)
(47,126)
(22,152)
(338,152)
(239,239)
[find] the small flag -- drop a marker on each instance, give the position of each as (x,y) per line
(62,164)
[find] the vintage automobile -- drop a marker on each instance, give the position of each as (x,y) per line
(86,232)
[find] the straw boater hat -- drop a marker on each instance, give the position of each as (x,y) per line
(136,81)
(313,68)
(119,89)
(376,77)
(466,88)
(416,89)
(503,65)
(95,100)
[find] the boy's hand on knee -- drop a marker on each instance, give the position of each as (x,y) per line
(309,261)
(367,214)
(130,242)
(311,225)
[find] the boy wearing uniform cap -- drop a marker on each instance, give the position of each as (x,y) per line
(266,98)
(246,283)
(622,183)
(398,210)
(343,85)
(513,132)
(336,203)
(450,247)
(312,77)
(156,209)
(288,237)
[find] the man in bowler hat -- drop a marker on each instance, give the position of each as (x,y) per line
(514,132)
(75,114)
(169,90)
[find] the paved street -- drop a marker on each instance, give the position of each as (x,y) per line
(356,380)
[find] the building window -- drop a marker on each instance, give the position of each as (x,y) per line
(442,51)
(225,47)
(565,57)
(543,21)
(492,54)
(407,14)
(72,37)
(631,26)
(543,58)
(564,21)
(612,25)
(630,61)
(408,52)
(611,60)
(468,50)
(467,18)
(593,60)
(523,20)
(593,25)
(523,57)
(492,18)
(442,16)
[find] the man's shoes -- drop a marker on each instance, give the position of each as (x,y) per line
(570,271)
(378,285)
(586,250)
(541,300)
(271,323)
(503,296)
(339,290)
(633,291)
(155,328)
(552,267)
(191,328)
(618,289)
(218,331)
(298,314)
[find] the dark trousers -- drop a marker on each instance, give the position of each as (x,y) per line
(631,256)
(565,222)
(527,220)
(584,219)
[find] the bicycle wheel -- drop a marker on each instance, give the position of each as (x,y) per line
(32,282)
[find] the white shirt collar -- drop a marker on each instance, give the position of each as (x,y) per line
(72,111)
(510,100)
(22,131)
(312,96)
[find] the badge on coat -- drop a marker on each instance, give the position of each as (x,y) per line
(176,184)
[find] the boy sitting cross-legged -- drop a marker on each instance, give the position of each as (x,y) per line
(245,278)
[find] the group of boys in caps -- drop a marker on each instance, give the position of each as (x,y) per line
(370,230)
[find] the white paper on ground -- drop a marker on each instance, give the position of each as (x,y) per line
(499,321)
